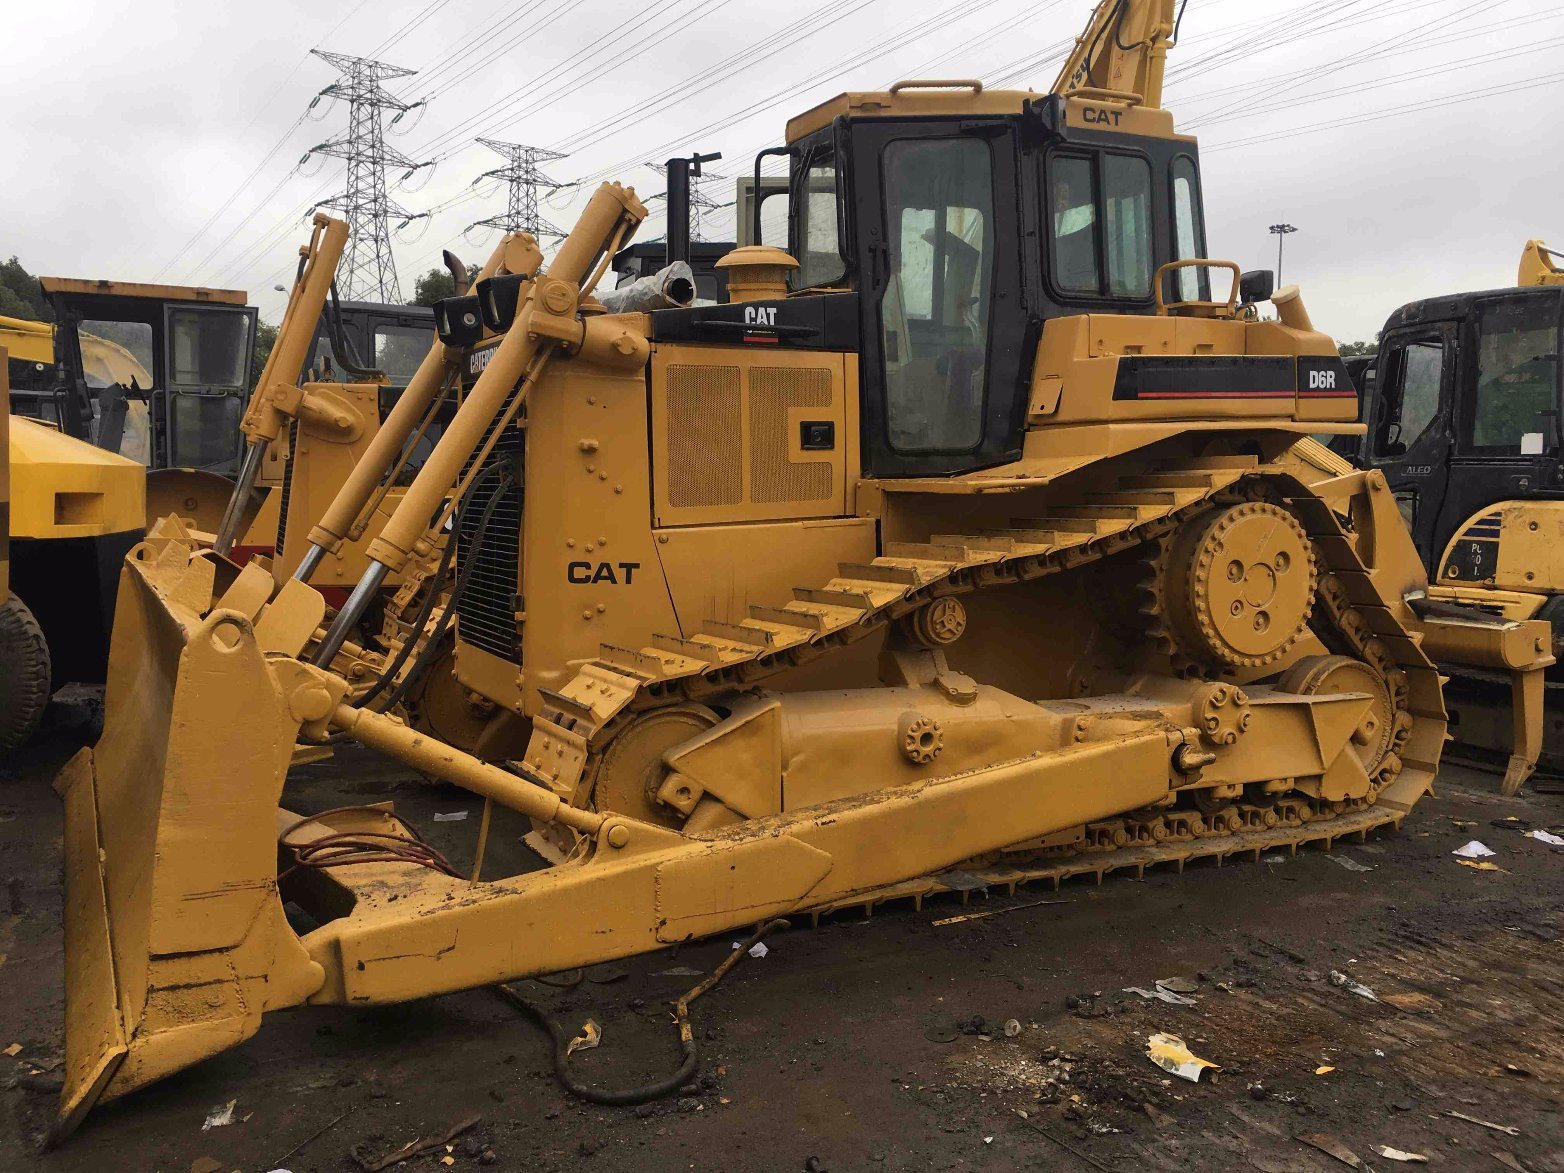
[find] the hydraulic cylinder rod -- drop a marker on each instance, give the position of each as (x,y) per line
(337,523)
(550,300)
(395,739)
(263,416)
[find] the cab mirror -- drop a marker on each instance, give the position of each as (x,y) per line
(1257,285)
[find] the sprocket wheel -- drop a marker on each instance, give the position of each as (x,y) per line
(1239,585)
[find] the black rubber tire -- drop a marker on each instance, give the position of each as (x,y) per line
(24,674)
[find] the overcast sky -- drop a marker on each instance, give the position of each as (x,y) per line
(1413,143)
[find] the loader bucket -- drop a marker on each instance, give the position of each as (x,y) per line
(175,941)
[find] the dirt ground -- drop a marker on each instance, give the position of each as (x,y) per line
(880,1043)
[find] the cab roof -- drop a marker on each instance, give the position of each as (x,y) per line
(1455,306)
(963,98)
(83,286)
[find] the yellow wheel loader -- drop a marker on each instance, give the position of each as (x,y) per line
(69,512)
(976,531)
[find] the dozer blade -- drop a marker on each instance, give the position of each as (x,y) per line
(175,941)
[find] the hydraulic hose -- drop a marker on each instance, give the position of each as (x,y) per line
(458,589)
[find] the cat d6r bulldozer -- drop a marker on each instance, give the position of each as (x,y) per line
(974,531)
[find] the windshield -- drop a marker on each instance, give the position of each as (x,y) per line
(399,350)
(819,247)
(208,348)
(1517,376)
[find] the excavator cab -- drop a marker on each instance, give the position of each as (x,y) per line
(963,219)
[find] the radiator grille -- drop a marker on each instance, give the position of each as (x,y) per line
(773,477)
(705,466)
(486,612)
(287,486)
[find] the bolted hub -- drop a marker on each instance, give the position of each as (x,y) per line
(940,623)
(1241,584)
(921,738)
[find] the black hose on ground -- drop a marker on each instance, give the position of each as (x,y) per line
(644,1093)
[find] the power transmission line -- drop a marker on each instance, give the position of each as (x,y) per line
(367,271)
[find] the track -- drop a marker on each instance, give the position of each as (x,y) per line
(1349,616)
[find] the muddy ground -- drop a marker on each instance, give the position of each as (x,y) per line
(870,1044)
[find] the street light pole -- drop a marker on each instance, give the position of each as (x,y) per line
(1280,231)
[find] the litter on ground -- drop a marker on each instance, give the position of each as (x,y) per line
(1504,1128)
(1337,978)
(1401,1155)
(1474,850)
(1162,995)
(1349,863)
(1332,1147)
(219,1116)
(1169,1053)
(591,1035)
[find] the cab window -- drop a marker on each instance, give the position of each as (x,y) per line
(1411,374)
(1517,377)
(399,350)
(818,247)
(208,349)
(935,309)
(1189,231)
(1100,213)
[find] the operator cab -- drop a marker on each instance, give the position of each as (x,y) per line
(962,219)
(1462,404)
(157,373)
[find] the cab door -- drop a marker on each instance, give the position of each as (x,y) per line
(1409,436)
(937,224)
(1506,434)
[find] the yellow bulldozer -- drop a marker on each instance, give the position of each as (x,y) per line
(975,531)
